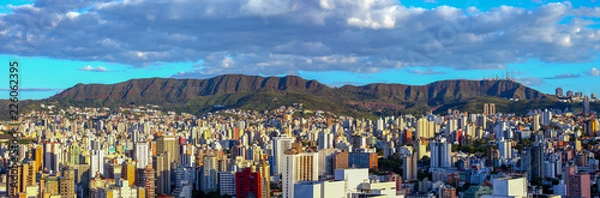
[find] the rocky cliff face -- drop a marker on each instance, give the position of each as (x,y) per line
(241,90)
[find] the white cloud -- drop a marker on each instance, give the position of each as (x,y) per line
(278,36)
(94,69)
(594,72)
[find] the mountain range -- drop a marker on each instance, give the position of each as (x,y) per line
(255,92)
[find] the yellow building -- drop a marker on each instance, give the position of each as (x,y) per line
(39,157)
(168,144)
(67,183)
(128,172)
(27,177)
(51,185)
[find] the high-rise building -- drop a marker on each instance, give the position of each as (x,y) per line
(248,184)
(489,109)
(536,153)
(147,180)
(505,148)
(280,144)
(50,185)
(168,144)
(113,170)
(13,191)
(265,177)
(142,154)
(486,109)
(420,147)
(38,157)
(67,183)
(82,179)
(546,117)
(97,162)
(73,153)
(325,140)
(128,172)
(559,92)
(28,175)
(340,160)
(535,123)
(586,104)
(227,183)
(425,128)
(440,153)
(578,184)
(409,167)
(209,175)
(163,173)
(363,160)
(298,166)
(52,155)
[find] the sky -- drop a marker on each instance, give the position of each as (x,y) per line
(59,43)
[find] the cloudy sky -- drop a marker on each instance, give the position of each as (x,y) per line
(59,43)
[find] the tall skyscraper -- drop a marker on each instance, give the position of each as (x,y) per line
(209,175)
(535,123)
(73,153)
(546,117)
(168,144)
(97,162)
(265,176)
(536,153)
(147,180)
(440,153)
(38,157)
(505,150)
(409,166)
(280,144)
(163,173)
(52,155)
(425,128)
(67,183)
(82,179)
(28,175)
(142,154)
(128,172)
(298,166)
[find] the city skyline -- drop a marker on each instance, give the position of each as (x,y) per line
(300,98)
(547,44)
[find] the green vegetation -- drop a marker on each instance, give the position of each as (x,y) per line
(258,93)
(391,164)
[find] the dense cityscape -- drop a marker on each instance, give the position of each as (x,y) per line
(299,99)
(296,152)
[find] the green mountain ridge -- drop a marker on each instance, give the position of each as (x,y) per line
(256,92)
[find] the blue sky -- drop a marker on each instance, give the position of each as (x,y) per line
(547,44)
